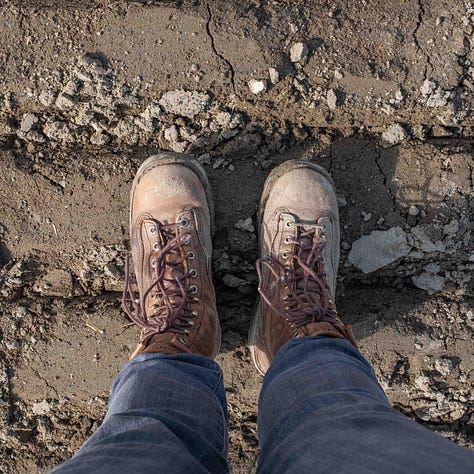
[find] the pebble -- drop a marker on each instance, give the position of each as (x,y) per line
(171,133)
(331,98)
(428,87)
(429,281)
(64,101)
(185,103)
(366,216)
(393,136)
(298,52)
(257,86)
(413,210)
(41,408)
(378,249)
(245,224)
(274,75)
(47,97)
(99,138)
(28,122)
(338,74)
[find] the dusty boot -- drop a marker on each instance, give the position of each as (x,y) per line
(299,248)
(170,238)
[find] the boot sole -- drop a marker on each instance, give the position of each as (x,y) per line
(259,357)
(171,158)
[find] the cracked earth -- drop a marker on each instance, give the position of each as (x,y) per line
(380,94)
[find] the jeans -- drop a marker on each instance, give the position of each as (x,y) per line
(321,409)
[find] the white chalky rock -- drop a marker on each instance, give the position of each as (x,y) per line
(378,249)
(393,136)
(185,103)
(298,52)
(257,86)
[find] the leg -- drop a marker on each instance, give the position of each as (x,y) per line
(166,413)
(322,410)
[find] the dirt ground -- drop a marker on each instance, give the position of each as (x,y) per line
(378,93)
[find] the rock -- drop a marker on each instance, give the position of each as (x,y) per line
(233,281)
(424,236)
(99,138)
(245,224)
(452,228)
(152,111)
(338,75)
(274,75)
(35,136)
(47,97)
(331,98)
(413,211)
(41,408)
(428,87)
(256,86)
(366,216)
(185,103)
(429,280)
(64,101)
(28,122)
(439,98)
(298,52)
(378,249)
(393,136)
(171,133)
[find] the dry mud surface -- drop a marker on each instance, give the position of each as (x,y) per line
(378,93)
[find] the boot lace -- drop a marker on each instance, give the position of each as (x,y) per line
(308,298)
(170,290)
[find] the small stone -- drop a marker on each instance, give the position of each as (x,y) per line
(332,99)
(245,224)
(274,75)
(41,408)
(64,101)
(345,245)
(233,281)
(428,87)
(338,74)
(378,249)
(452,228)
(298,52)
(393,136)
(366,216)
(399,96)
(256,86)
(171,133)
(99,138)
(341,201)
(204,159)
(429,282)
(413,211)
(47,97)
(28,122)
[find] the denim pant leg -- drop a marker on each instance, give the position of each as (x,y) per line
(322,410)
(167,413)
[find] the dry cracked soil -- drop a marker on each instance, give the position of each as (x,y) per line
(379,93)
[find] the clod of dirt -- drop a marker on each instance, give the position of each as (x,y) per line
(274,75)
(245,224)
(332,99)
(28,122)
(184,103)
(378,249)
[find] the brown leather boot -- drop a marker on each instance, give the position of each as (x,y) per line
(170,238)
(299,247)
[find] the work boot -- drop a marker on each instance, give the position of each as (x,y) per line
(170,237)
(299,247)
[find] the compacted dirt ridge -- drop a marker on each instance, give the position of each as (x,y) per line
(380,94)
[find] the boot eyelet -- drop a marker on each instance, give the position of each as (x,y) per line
(287,240)
(184,222)
(156,246)
(186,332)
(193,289)
(152,229)
(190,255)
(193,273)
(183,341)
(191,323)
(194,313)
(153,263)
(288,224)
(284,254)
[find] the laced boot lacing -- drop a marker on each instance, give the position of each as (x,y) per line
(170,290)
(302,292)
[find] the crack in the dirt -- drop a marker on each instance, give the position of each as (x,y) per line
(219,55)
(419,22)
(385,181)
(45,381)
